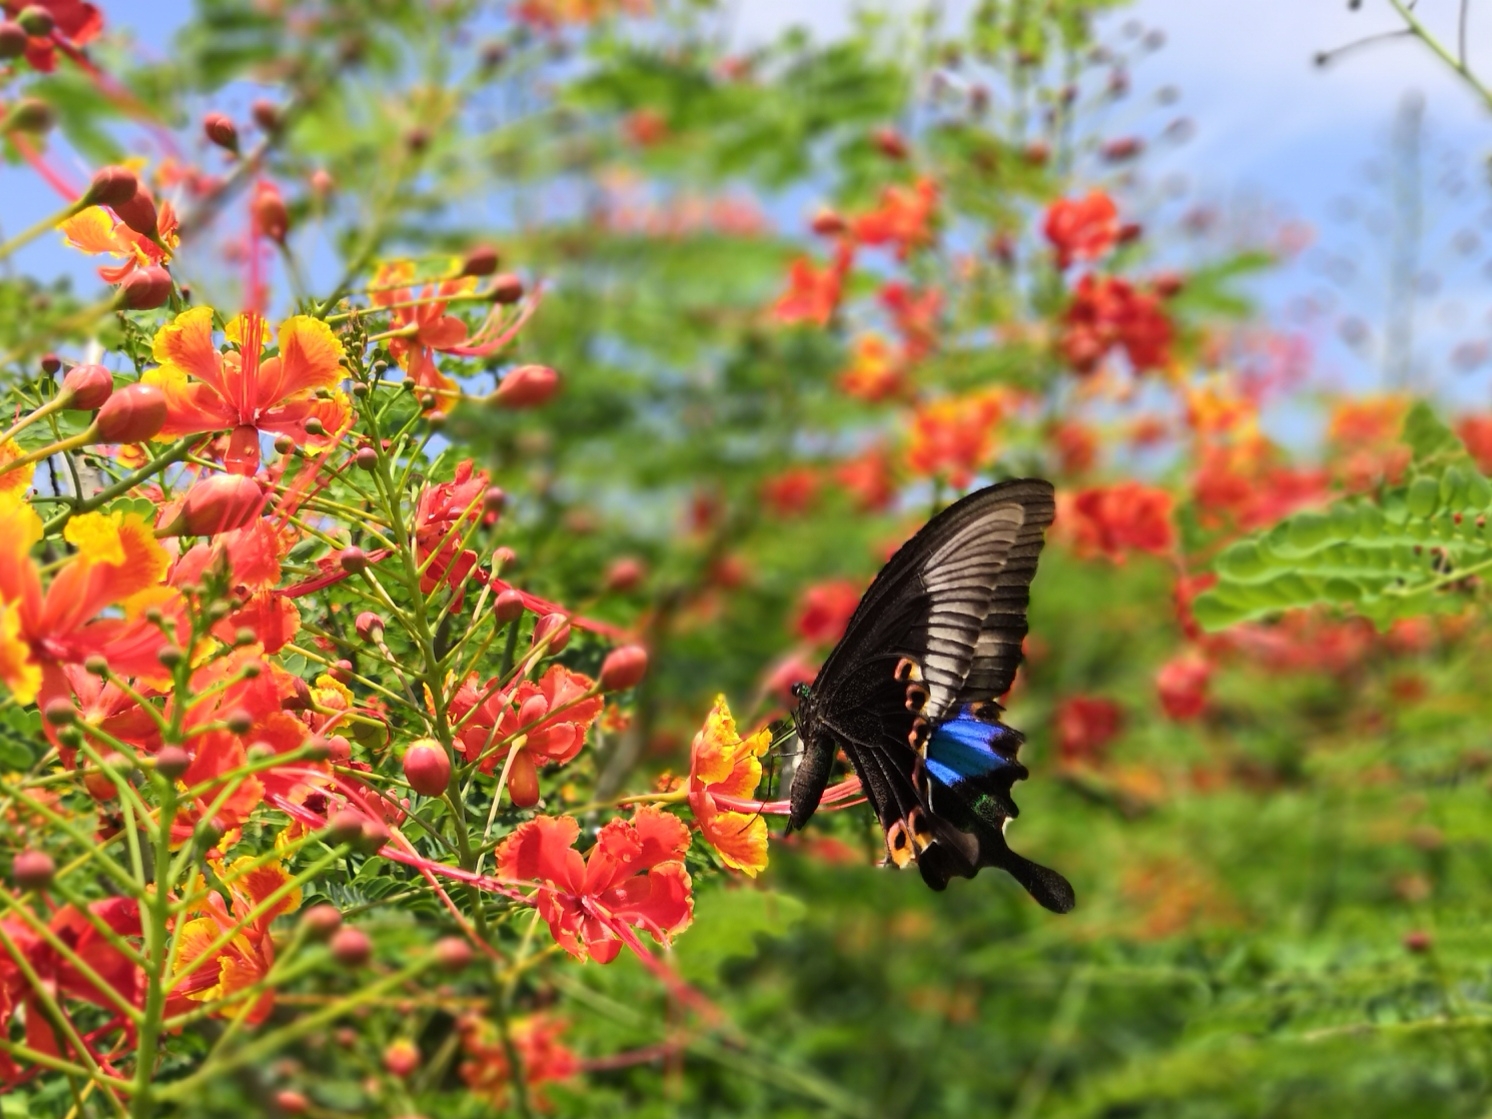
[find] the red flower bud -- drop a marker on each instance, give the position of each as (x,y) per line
(292,1102)
(217,504)
(221,130)
(401,1058)
(60,712)
(111,186)
(322,182)
(1418,941)
(351,947)
(508,607)
(145,289)
(369,626)
(353,560)
(453,953)
(13,40)
(625,573)
(507,288)
(523,781)
(266,114)
(890,143)
(171,762)
(338,750)
(132,415)
(528,386)
(138,212)
(344,826)
(480,261)
(494,500)
(623,668)
(427,767)
(828,223)
(33,870)
(50,363)
(375,834)
(239,721)
(321,921)
(270,214)
(366,458)
(341,671)
(87,387)
(554,627)
(36,21)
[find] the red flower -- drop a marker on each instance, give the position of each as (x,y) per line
(813,294)
(543,1057)
(793,492)
(1107,312)
(1181,685)
(1086,727)
(644,128)
(955,437)
(247,393)
(874,373)
(1082,228)
(1476,433)
(633,877)
(825,608)
(546,722)
(868,478)
(904,218)
(1076,446)
(76,23)
(429,328)
(1114,520)
(916,318)
(98,231)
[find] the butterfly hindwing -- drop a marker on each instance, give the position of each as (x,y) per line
(909,692)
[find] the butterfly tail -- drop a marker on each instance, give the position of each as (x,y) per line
(962,854)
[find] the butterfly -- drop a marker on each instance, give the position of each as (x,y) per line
(910,692)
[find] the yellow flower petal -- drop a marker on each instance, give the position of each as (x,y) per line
(96,536)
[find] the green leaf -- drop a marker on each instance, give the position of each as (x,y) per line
(727,928)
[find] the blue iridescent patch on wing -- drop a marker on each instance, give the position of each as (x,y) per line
(966,748)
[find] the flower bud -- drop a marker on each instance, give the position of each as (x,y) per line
(401,1058)
(528,386)
(480,261)
(508,607)
(322,182)
(28,114)
(623,668)
(366,458)
(60,712)
(33,870)
(111,186)
(372,837)
(260,751)
(341,671)
(239,721)
(87,387)
(427,767)
(369,626)
(453,953)
(266,114)
(353,560)
(145,289)
(344,826)
(292,1102)
(1418,941)
(889,143)
(36,21)
(133,414)
(827,222)
(170,656)
(523,781)
(625,574)
(351,947)
(220,129)
(50,363)
(207,834)
(320,922)
(97,665)
(138,212)
(172,762)
(555,628)
(494,500)
(245,635)
(270,214)
(13,40)
(316,749)
(507,288)
(338,749)
(221,503)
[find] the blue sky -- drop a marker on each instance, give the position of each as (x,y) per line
(1274,132)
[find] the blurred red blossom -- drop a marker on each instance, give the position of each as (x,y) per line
(1081,228)
(813,292)
(1476,433)
(792,492)
(1115,520)
(1181,685)
(1106,312)
(868,478)
(1085,728)
(903,218)
(536,1041)
(874,373)
(825,608)
(954,437)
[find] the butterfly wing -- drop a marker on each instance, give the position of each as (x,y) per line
(938,634)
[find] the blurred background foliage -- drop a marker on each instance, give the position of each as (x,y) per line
(1282,873)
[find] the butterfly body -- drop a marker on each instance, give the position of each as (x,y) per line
(910,692)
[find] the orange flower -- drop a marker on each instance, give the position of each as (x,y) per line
(955,437)
(721,762)
(916,318)
(1476,433)
(210,973)
(904,218)
(874,373)
(793,492)
(552,14)
(1372,420)
(1107,312)
(633,877)
(1082,228)
(430,328)
(247,392)
(1115,520)
(543,1057)
(117,559)
(813,294)
(99,232)
(868,479)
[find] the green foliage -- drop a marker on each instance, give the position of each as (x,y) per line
(1411,549)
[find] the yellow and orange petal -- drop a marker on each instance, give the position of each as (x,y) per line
(184,346)
(18,671)
(93,231)
(720,761)
(739,838)
(311,356)
(13,483)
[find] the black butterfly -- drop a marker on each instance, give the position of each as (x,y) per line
(909,692)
